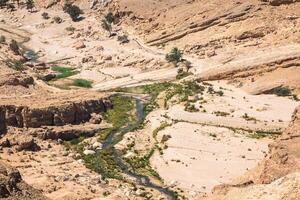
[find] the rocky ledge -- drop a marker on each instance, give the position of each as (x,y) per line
(12,187)
(69,112)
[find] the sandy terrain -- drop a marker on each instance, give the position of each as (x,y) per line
(250,44)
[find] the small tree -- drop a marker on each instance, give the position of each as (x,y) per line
(174,56)
(29,5)
(106,26)
(14,47)
(73,10)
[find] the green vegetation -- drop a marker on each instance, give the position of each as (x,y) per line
(15,64)
(263,134)
(174,56)
(211,90)
(281,91)
(29,5)
(111,18)
(190,107)
(182,91)
(82,83)
(142,165)
(122,111)
(64,72)
(73,10)
(160,128)
(221,113)
(104,161)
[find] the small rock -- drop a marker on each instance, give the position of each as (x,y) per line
(79,45)
(97,145)
(88,152)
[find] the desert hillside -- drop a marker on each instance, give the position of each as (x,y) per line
(157,99)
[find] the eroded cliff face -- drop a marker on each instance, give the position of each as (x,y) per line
(67,113)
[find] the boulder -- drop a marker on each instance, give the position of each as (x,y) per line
(27,143)
(97,145)
(88,152)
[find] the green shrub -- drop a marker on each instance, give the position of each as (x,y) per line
(110,18)
(73,10)
(29,5)
(15,64)
(64,72)
(281,91)
(174,56)
(82,83)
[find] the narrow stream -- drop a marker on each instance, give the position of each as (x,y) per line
(140,179)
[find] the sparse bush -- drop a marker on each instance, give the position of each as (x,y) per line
(57,19)
(123,39)
(14,47)
(45,15)
(15,64)
(70,29)
(73,10)
(174,56)
(29,5)
(281,91)
(111,18)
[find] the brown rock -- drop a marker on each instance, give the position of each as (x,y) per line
(27,143)
(79,45)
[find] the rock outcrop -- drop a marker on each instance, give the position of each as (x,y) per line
(16,79)
(66,113)
(12,187)
(2,121)
(280,2)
